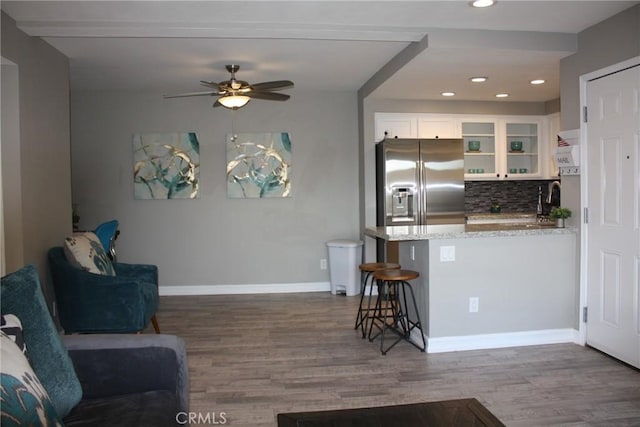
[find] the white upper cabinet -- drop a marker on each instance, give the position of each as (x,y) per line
(482,151)
(392,125)
(496,147)
(554,129)
(506,147)
(401,125)
(437,126)
(524,148)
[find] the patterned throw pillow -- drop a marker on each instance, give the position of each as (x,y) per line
(84,251)
(24,400)
(10,325)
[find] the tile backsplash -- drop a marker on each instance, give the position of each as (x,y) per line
(513,196)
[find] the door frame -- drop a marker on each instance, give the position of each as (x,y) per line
(584,202)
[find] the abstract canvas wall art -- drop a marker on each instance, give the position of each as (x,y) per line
(166,165)
(258,165)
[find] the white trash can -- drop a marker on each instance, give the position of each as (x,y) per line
(345,256)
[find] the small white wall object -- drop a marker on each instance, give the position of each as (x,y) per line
(567,153)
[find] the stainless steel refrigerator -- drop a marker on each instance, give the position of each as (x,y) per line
(420,181)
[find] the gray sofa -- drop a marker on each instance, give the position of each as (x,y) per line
(85,380)
(138,380)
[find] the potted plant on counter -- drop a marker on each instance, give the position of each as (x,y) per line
(560,214)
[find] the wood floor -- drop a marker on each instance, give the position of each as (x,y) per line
(253,356)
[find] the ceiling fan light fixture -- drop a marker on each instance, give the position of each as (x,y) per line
(482,3)
(233,102)
(235,94)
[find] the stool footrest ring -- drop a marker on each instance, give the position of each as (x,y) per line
(390,313)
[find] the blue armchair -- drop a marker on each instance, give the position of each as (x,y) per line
(94,303)
(108,232)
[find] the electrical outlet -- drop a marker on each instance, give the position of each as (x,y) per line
(323,264)
(447,253)
(413,253)
(474,304)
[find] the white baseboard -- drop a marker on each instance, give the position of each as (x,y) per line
(268,288)
(508,339)
(434,345)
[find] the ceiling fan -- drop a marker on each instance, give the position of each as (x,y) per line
(235,94)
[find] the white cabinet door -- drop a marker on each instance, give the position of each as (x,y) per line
(436,126)
(552,171)
(482,151)
(523,148)
(392,125)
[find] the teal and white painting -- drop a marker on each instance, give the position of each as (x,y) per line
(166,165)
(258,165)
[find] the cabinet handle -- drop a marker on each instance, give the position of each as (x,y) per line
(506,175)
(497,175)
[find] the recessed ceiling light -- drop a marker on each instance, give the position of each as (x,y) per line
(478,79)
(502,95)
(482,3)
(447,93)
(536,82)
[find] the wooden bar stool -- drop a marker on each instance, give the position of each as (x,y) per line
(393,287)
(367,271)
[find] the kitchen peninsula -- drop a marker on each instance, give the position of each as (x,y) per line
(491,285)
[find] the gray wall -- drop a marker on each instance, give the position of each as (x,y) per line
(36,168)
(10,167)
(609,42)
(215,240)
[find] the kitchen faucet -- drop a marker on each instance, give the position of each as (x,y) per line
(550,191)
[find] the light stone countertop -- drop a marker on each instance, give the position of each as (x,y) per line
(457,231)
(501,216)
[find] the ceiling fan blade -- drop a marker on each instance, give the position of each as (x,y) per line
(181,95)
(274,85)
(210,84)
(271,96)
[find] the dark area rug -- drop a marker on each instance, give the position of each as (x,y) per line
(461,412)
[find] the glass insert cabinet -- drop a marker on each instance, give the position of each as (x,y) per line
(501,149)
(480,148)
(522,148)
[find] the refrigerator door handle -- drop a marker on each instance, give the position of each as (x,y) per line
(422,182)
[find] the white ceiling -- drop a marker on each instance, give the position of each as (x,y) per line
(169,46)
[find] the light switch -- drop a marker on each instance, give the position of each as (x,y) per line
(474,304)
(447,253)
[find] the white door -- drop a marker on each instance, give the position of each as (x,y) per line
(613,230)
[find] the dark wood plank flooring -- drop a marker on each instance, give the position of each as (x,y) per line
(253,356)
